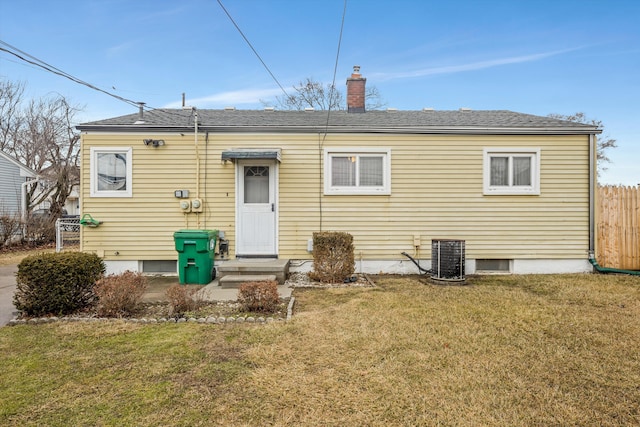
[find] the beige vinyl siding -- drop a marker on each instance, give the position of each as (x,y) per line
(436,192)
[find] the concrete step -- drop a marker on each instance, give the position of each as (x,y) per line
(252,267)
(235,280)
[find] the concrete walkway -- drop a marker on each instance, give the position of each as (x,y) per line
(7,289)
(157,289)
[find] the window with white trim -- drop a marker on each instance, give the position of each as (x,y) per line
(357,171)
(512,171)
(111,172)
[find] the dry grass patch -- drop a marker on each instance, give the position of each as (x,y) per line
(504,351)
(13,255)
(115,373)
(508,350)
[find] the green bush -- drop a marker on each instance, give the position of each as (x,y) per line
(57,283)
(259,296)
(120,294)
(333,259)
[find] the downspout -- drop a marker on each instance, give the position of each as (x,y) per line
(23,204)
(206,156)
(23,198)
(605,270)
(195,114)
(592,194)
(195,126)
(592,210)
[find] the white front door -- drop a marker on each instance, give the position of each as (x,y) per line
(256,208)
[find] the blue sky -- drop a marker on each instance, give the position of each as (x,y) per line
(537,57)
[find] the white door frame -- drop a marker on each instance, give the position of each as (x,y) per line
(242,250)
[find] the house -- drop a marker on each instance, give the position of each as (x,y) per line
(14,180)
(71,205)
(519,189)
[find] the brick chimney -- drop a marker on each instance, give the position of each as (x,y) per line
(355,91)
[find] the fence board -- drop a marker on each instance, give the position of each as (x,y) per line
(618,228)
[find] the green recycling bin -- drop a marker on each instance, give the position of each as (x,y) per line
(196,253)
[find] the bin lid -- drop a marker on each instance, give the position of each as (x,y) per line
(195,234)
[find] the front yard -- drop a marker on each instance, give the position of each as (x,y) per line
(505,350)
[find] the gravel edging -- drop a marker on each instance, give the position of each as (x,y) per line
(297,282)
(207,320)
(202,320)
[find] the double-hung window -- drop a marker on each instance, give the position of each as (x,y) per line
(512,171)
(111,172)
(357,171)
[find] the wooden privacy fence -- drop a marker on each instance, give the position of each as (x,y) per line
(618,227)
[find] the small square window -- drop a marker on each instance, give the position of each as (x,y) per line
(512,171)
(357,171)
(111,172)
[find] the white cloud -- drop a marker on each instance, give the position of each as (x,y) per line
(228,99)
(450,69)
(118,49)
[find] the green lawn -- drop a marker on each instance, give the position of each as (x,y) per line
(504,350)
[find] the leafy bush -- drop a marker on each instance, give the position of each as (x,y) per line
(182,299)
(57,283)
(333,259)
(120,294)
(259,296)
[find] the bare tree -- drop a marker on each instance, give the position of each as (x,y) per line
(311,93)
(604,142)
(10,98)
(50,145)
(372,99)
(41,136)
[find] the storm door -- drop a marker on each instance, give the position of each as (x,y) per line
(256,208)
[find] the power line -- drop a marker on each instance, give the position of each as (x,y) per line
(253,49)
(24,56)
(335,67)
(326,127)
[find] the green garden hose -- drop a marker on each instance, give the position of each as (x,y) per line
(606,270)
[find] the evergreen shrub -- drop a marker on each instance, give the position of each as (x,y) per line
(57,283)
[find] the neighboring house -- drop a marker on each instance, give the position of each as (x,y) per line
(14,180)
(518,189)
(71,206)
(48,178)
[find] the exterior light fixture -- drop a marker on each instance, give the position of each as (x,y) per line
(154,142)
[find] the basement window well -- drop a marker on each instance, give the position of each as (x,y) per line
(493,266)
(159,266)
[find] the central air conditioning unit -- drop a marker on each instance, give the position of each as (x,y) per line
(447,260)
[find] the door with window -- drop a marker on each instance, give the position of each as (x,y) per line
(256,208)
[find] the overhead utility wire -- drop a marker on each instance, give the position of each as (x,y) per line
(326,127)
(335,67)
(50,68)
(253,49)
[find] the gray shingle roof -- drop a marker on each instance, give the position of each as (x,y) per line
(428,121)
